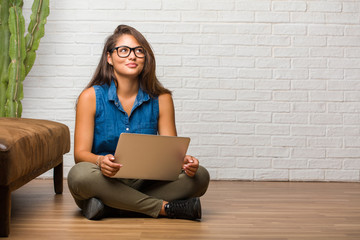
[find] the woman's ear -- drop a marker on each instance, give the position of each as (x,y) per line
(109,59)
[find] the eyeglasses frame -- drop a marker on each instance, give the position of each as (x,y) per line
(131,50)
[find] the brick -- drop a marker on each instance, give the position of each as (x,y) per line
(273,40)
(309,107)
(218,28)
(197,16)
(254,28)
(199,61)
(323,118)
(252,6)
(232,173)
(253,140)
(326,52)
(352,142)
(308,85)
(253,51)
(343,153)
(246,117)
(186,117)
(272,152)
(289,164)
(291,74)
(226,162)
(216,5)
(308,17)
(290,118)
(307,175)
(272,17)
(325,30)
(237,84)
(272,63)
(351,164)
(291,52)
(236,151)
(308,131)
(218,140)
(272,129)
(236,39)
(237,62)
(326,74)
(273,107)
(250,73)
(217,94)
(289,6)
(217,50)
(279,141)
(324,6)
(342,131)
(216,117)
(233,16)
(289,29)
(200,105)
(253,95)
(273,85)
(199,83)
(291,96)
(343,18)
(224,72)
(325,142)
(253,163)
(177,5)
(342,175)
(236,106)
(270,174)
(343,107)
(235,128)
(182,28)
(325,163)
(200,128)
(326,96)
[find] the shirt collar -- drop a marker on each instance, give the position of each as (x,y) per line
(141,97)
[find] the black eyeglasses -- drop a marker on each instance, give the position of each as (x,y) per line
(125,51)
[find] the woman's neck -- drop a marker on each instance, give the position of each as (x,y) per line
(127,87)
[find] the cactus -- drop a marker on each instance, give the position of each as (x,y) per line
(15,65)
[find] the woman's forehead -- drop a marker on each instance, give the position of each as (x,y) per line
(127,40)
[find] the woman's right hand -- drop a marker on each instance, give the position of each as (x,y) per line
(107,165)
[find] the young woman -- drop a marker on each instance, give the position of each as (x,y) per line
(125,95)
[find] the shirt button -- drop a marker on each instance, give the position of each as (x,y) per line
(127,129)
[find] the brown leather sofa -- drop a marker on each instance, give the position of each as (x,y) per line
(28,148)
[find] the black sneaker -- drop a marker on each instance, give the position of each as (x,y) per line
(184,209)
(93,209)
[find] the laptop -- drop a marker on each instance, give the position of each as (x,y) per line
(150,156)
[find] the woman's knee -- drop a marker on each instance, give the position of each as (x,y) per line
(80,174)
(202,179)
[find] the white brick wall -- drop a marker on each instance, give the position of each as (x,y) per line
(266,89)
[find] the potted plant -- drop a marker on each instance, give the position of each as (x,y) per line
(17,51)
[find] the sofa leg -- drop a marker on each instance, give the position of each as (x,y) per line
(58,178)
(5,211)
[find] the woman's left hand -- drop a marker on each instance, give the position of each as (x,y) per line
(191,165)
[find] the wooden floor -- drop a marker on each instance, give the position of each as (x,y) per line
(231,210)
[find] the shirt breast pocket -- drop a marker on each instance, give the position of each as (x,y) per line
(147,128)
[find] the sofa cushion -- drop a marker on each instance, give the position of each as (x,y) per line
(29,144)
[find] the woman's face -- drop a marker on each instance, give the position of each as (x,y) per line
(130,66)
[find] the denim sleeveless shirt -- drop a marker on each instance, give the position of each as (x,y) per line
(111,120)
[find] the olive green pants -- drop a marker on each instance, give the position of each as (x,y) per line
(86,181)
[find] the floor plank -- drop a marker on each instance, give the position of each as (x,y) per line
(231,210)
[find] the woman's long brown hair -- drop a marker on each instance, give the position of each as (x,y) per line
(104,72)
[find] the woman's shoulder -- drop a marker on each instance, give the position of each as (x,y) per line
(165,102)
(88,94)
(165,97)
